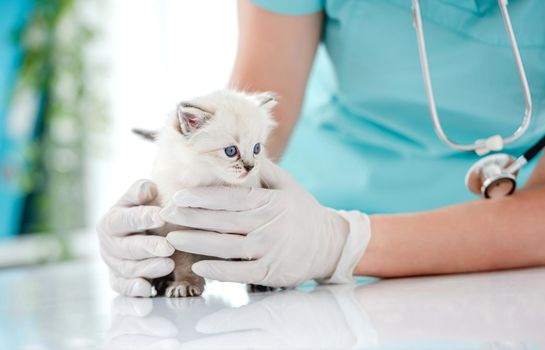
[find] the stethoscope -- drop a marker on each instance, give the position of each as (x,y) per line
(494,175)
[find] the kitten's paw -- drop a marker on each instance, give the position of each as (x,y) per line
(183,289)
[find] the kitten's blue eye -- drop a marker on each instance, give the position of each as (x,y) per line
(257,148)
(231,151)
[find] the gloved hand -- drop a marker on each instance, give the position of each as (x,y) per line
(286,235)
(133,258)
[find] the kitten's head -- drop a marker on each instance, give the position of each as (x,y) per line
(225,131)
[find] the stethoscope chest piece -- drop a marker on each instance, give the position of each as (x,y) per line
(490,178)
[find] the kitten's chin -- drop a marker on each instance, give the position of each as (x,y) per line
(238,179)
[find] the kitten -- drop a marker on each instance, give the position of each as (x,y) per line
(213,140)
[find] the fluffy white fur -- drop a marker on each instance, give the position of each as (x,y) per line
(191,157)
(191,153)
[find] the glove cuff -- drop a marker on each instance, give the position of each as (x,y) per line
(355,245)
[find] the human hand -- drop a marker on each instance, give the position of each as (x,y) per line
(134,258)
(283,233)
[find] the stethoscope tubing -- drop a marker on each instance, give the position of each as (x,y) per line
(478,144)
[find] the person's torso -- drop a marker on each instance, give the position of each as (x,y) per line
(367,141)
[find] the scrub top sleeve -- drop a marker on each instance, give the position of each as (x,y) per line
(291,7)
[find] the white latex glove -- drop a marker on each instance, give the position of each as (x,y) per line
(134,258)
(288,236)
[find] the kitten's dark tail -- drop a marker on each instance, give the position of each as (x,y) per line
(146,134)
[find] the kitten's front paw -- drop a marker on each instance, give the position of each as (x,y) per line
(183,289)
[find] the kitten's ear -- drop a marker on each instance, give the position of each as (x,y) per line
(266,100)
(191,117)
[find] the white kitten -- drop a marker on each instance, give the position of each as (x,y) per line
(216,139)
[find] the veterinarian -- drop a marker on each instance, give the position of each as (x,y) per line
(349,74)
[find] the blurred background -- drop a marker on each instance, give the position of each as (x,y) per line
(75,77)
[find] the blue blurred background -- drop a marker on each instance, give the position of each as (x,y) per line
(44,102)
(14,17)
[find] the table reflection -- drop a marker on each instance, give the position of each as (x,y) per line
(480,311)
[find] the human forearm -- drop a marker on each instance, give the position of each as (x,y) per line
(475,236)
(275,53)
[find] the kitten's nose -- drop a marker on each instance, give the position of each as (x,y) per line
(248,166)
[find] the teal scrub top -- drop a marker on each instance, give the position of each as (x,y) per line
(365,139)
